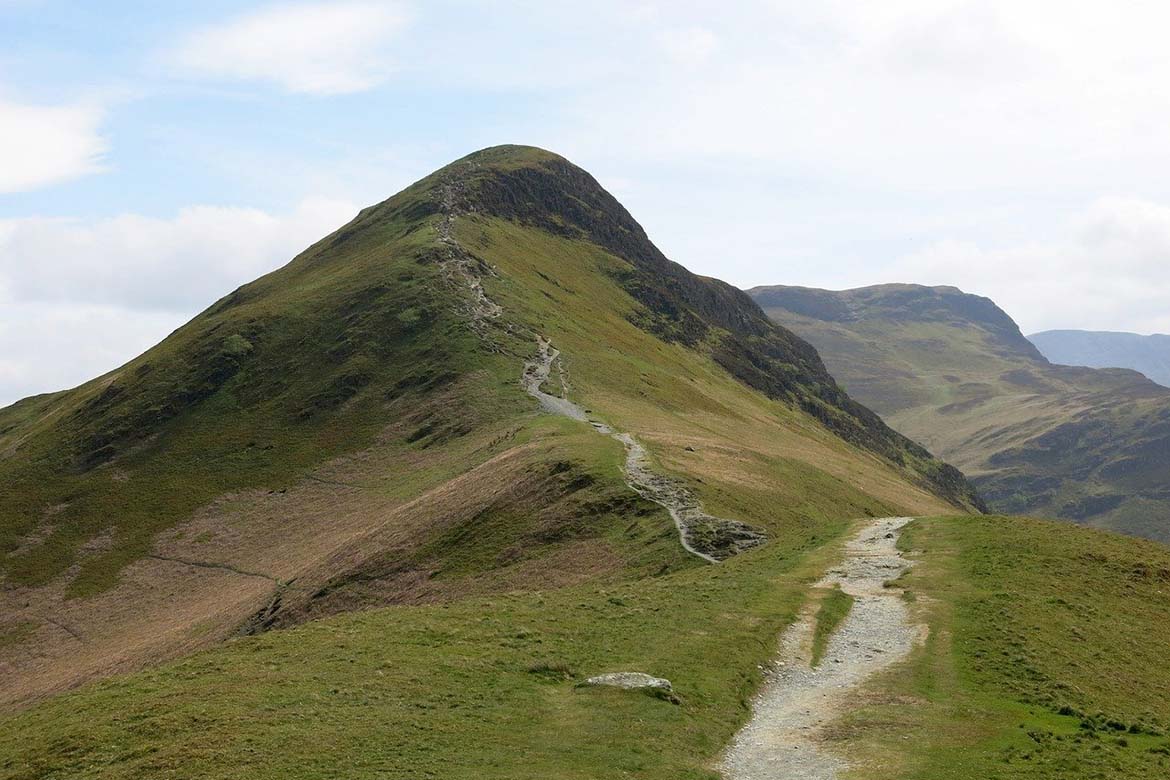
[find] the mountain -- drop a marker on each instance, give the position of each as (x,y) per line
(386,511)
(370,426)
(1149,355)
(953,371)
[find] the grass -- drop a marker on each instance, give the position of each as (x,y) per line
(337,424)
(1044,659)
(833,609)
(281,376)
(481,688)
(296,369)
(352,362)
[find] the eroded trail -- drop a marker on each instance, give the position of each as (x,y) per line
(709,537)
(782,741)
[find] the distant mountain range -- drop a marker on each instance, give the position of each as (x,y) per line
(1107,349)
(953,371)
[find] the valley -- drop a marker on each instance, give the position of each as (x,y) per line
(954,372)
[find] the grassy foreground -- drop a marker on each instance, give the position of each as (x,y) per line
(472,689)
(1046,658)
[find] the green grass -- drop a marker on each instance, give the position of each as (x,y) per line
(473,689)
(282,375)
(356,363)
(1044,661)
(833,609)
(306,364)
(1045,657)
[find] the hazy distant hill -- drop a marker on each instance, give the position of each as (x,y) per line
(954,372)
(1106,349)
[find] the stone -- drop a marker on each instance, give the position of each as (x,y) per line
(629,681)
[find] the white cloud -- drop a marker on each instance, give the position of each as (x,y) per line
(177,264)
(70,344)
(925,95)
(42,145)
(81,297)
(324,48)
(689,45)
(1107,271)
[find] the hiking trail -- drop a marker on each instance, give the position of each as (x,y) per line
(722,538)
(783,741)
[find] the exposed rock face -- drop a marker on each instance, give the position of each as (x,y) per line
(914,302)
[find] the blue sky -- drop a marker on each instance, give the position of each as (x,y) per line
(153,157)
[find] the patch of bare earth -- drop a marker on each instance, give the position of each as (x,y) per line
(345,537)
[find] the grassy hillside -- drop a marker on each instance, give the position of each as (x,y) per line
(351,431)
(472,689)
(954,372)
(1044,658)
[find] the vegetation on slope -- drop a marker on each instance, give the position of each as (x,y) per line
(1044,660)
(833,609)
(350,431)
(471,689)
(536,189)
(954,372)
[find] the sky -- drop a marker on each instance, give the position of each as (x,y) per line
(153,157)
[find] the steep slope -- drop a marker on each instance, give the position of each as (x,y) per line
(954,372)
(1149,355)
(353,430)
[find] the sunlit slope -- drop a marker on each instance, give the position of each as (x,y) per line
(954,372)
(1042,661)
(1044,658)
(351,431)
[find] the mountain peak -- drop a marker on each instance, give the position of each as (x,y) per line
(511,156)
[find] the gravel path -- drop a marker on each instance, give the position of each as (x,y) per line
(782,739)
(730,536)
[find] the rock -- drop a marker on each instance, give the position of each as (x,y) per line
(629,681)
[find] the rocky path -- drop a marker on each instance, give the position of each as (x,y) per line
(461,270)
(710,538)
(782,740)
